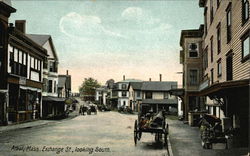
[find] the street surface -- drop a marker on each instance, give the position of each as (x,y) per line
(107,133)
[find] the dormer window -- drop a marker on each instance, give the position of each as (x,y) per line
(123,86)
(193,50)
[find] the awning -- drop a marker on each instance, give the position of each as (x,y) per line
(220,87)
(54,99)
(159,101)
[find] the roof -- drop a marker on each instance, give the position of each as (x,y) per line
(159,101)
(42,39)
(39,39)
(6,5)
(8,2)
(130,80)
(192,33)
(136,85)
(158,85)
(55,99)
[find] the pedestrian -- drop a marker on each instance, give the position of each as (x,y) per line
(80,110)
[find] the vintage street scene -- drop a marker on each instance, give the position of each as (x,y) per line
(124,77)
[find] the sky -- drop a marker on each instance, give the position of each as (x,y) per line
(107,39)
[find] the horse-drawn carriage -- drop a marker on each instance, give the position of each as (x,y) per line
(151,119)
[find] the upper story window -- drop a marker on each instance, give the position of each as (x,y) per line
(218,3)
(212,49)
(50,86)
(18,62)
(218,38)
(205,23)
(212,75)
(245,47)
(124,93)
(148,95)
(193,50)
(166,95)
(205,59)
(52,66)
(138,94)
(245,11)
(123,86)
(229,23)
(211,11)
(193,77)
(219,68)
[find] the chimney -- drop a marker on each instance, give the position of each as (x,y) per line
(149,79)
(67,72)
(160,77)
(123,77)
(21,25)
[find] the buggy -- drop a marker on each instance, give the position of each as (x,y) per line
(151,121)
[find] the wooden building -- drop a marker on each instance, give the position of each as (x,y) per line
(5,12)
(24,75)
(226,64)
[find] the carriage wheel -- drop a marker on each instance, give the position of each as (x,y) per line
(135,132)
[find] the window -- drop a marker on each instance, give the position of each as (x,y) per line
(229,67)
(212,76)
(211,11)
(229,23)
(123,86)
(50,86)
(138,94)
(51,66)
(205,59)
(124,93)
(245,47)
(148,95)
(166,95)
(15,55)
(219,69)
(218,39)
(193,75)
(193,50)
(45,84)
(31,62)
(55,86)
(218,3)
(205,16)
(24,58)
(245,11)
(212,48)
(20,56)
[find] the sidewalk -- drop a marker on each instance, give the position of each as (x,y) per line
(185,140)
(35,123)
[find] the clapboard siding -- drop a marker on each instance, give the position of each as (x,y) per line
(240,70)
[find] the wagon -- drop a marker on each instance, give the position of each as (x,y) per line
(92,108)
(151,119)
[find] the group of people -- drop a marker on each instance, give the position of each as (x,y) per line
(82,110)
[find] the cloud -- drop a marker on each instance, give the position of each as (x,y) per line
(139,15)
(85,26)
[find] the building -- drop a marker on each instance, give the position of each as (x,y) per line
(135,95)
(5,11)
(24,68)
(64,85)
(226,63)
(191,58)
(157,93)
(101,95)
(52,106)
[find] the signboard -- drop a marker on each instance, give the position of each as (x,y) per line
(204,85)
(22,80)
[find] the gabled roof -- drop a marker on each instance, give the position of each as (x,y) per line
(136,85)
(42,39)
(158,85)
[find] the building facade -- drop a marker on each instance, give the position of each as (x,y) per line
(24,68)
(191,58)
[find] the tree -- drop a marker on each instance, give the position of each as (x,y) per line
(88,86)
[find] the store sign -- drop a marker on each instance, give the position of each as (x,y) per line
(22,80)
(204,85)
